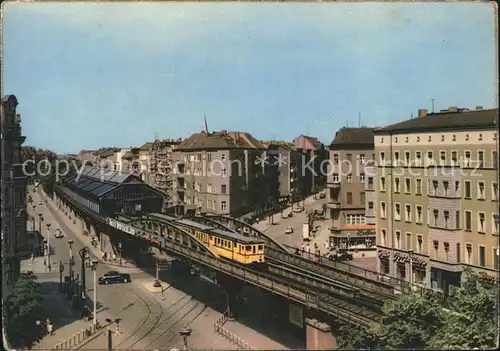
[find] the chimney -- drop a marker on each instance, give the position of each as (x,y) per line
(479,108)
(422,112)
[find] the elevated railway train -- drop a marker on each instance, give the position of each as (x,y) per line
(232,246)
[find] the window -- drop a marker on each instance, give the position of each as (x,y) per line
(467,190)
(446,249)
(457,219)
(348,157)
(224,173)
(446,218)
(382,158)
(458,252)
(442,137)
(407,158)
(382,183)
(442,157)
(457,188)
(398,239)
(407,139)
(436,217)
(419,243)
(466,137)
(480,190)
(430,158)
(436,247)
(482,256)
(362,159)
(419,214)
(335,159)
(435,187)
(396,185)
(370,183)
(223,188)
(408,213)
(467,161)
(428,216)
(349,178)
(408,241)
(396,158)
(480,159)
(209,188)
(454,158)
(468,221)
(495,225)
(480,137)
(418,186)
(383,236)
(494,159)
(418,158)
(496,258)
(355,219)
(454,137)
(336,178)
(468,254)
(418,139)
(223,206)
(362,198)
(494,191)
(362,177)
(446,186)
(407,185)
(397,210)
(383,210)
(430,138)
(349,198)
(481,217)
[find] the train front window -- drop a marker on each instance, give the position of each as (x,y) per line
(248,248)
(261,247)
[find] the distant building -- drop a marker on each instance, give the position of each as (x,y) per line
(285,170)
(221,173)
(13,199)
(88,157)
(318,153)
(138,161)
(161,169)
(350,189)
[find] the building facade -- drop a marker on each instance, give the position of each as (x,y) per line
(220,173)
(350,189)
(314,155)
(13,201)
(437,195)
(161,167)
(138,160)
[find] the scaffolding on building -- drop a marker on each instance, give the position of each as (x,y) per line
(162,167)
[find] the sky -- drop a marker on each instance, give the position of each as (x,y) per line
(92,75)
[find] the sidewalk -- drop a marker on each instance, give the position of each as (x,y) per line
(76,228)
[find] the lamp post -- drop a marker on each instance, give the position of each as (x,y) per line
(71,260)
(185,332)
(120,251)
(110,338)
(61,270)
(33,217)
(48,246)
(45,252)
(83,256)
(94,269)
(40,216)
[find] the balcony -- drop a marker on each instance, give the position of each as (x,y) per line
(333,205)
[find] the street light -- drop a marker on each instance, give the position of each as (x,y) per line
(48,245)
(71,262)
(94,269)
(110,339)
(185,332)
(120,251)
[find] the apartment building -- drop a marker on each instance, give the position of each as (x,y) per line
(161,167)
(113,158)
(437,195)
(315,153)
(13,199)
(138,160)
(220,173)
(88,157)
(285,169)
(350,182)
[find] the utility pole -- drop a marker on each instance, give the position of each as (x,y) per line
(94,269)
(48,246)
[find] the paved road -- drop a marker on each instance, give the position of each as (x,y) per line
(277,231)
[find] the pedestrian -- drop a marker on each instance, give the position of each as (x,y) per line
(32,257)
(302,246)
(50,328)
(114,257)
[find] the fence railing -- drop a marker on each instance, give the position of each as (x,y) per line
(76,339)
(231,337)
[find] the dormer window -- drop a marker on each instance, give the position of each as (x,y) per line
(466,137)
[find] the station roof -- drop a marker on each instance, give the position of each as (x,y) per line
(94,182)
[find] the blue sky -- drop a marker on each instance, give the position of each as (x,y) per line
(92,75)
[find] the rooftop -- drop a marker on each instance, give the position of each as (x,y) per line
(220,140)
(449,120)
(362,136)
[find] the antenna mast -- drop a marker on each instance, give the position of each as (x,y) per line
(432,105)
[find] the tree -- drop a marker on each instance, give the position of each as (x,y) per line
(23,308)
(48,182)
(470,321)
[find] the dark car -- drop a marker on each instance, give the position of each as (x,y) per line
(114,279)
(340,256)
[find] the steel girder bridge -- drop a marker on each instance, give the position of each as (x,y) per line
(313,291)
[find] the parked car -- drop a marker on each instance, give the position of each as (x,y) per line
(298,209)
(58,233)
(338,255)
(40,203)
(322,195)
(114,278)
(288,230)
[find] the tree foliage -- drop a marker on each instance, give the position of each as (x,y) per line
(421,322)
(23,308)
